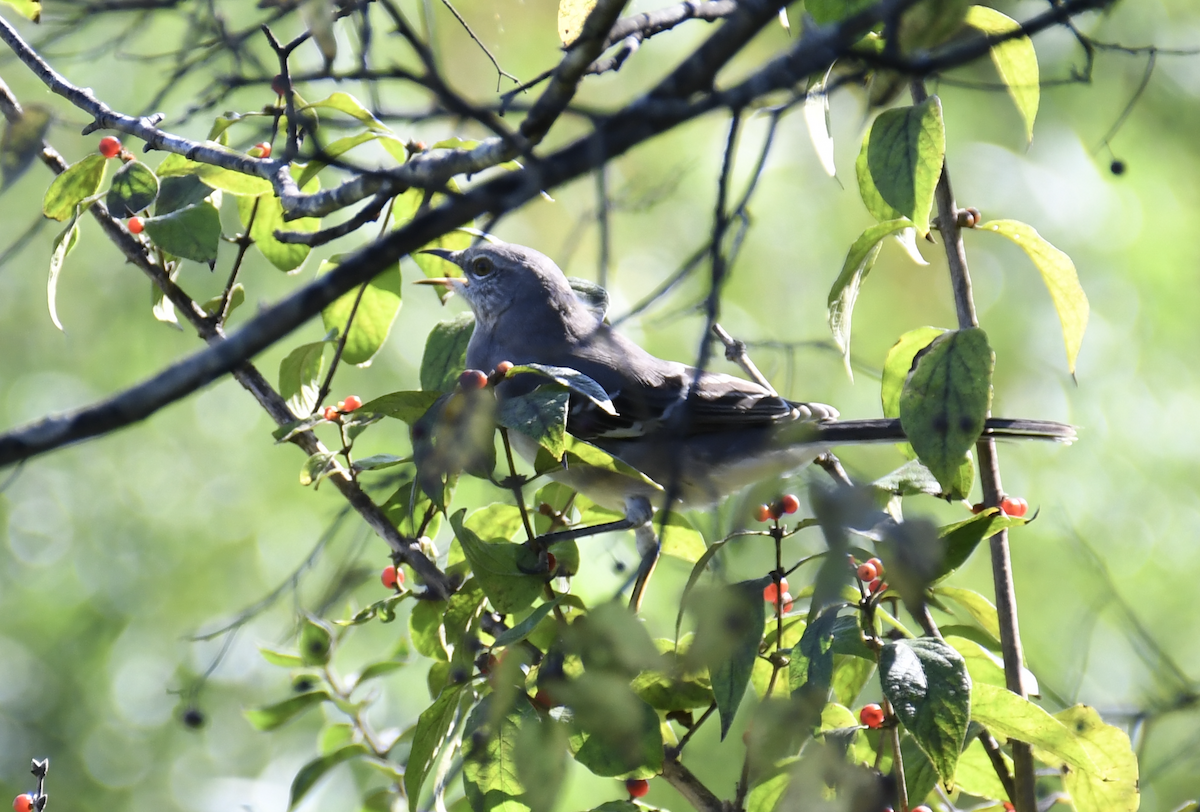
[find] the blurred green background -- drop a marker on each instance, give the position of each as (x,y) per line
(117,552)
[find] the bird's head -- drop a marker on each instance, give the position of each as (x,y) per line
(497,276)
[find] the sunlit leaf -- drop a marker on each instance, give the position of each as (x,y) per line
(1015,61)
(373,317)
(300,377)
(267,213)
(1006,714)
(277,715)
(345,103)
(32,9)
(314,770)
(63,244)
(78,181)
(503,569)
(1113,785)
(1058,272)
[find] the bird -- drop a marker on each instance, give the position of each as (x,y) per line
(697,435)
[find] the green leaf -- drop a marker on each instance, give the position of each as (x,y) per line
(927,683)
(899,363)
(945,401)
(976,774)
(312,772)
(616,734)
(905,151)
(850,675)
(384,609)
(1113,785)
(767,795)
(740,617)
(920,776)
(793,630)
(977,606)
(237,297)
(300,377)
(345,103)
(854,270)
(490,758)
(267,211)
(540,415)
(317,467)
(281,658)
(572,379)
(1015,61)
(540,755)
(432,726)
(832,11)
(377,462)
(316,642)
(274,716)
(373,318)
(176,193)
(383,668)
(193,232)
(334,737)
(425,629)
(963,537)
(611,639)
(63,244)
(1004,713)
(22,142)
(78,181)
(908,480)
(446,353)
(502,568)
(1058,272)
(586,455)
(134,187)
(406,510)
(407,406)
(811,665)
(523,629)
(679,538)
(982,665)
(227,180)
(32,9)
(332,151)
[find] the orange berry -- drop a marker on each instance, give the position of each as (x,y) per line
(763,513)
(260,150)
(786,600)
(867,572)
(1008,807)
(877,564)
(391,577)
(789,503)
(23,803)
(503,367)
(110,147)
(1014,506)
(351,403)
(135,225)
(472,380)
(330,413)
(873,586)
(871,716)
(637,787)
(771,591)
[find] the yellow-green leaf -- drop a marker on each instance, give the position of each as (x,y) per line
(373,318)
(1113,786)
(1015,61)
(1060,276)
(78,181)
(32,9)
(572,14)
(905,149)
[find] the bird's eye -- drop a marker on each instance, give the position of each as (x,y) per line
(481,266)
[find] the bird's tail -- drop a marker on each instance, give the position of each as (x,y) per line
(884,430)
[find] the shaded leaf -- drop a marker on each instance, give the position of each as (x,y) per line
(572,379)
(227,180)
(899,363)
(540,756)
(78,181)
(316,642)
(502,568)
(446,353)
(490,759)
(523,629)
(267,211)
(540,415)
(1058,272)
(313,771)
(22,141)
(406,406)
(300,377)
(728,631)
(945,401)
(237,297)
(317,467)
(432,726)
(134,187)
(963,537)
(273,716)
(175,193)
(616,734)
(193,232)
(63,244)
(927,683)
(905,150)
(373,318)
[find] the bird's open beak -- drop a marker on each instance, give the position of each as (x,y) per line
(441,253)
(448,282)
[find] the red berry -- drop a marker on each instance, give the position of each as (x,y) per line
(878,565)
(776,509)
(351,403)
(921,808)
(551,563)
(867,572)
(771,591)
(391,577)
(1014,506)
(23,803)
(261,150)
(763,513)
(278,85)
(871,716)
(472,380)
(637,787)
(135,225)
(503,367)
(330,413)
(110,147)
(1008,807)
(786,601)
(873,587)
(789,503)
(542,699)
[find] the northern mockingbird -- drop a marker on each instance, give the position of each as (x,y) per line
(700,436)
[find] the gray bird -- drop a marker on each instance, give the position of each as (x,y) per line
(700,436)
